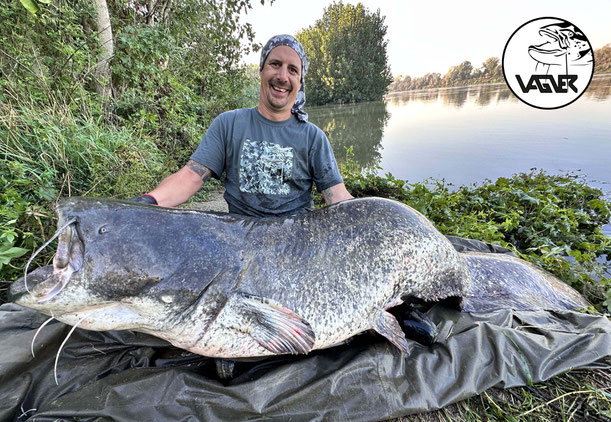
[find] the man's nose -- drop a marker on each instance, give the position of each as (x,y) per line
(283,74)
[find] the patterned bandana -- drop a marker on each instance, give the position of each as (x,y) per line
(290,41)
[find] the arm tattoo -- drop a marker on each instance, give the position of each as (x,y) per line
(204,172)
(328,195)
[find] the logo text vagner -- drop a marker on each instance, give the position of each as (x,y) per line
(546,84)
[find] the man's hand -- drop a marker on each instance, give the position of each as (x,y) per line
(144,199)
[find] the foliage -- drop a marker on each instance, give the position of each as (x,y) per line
(49,155)
(462,74)
(553,221)
(347,54)
(47,57)
(186,63)
(602,59)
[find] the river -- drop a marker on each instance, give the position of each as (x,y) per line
(466,135)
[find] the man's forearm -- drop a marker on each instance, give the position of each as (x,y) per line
(177,188)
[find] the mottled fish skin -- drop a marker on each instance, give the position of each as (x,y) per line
(500,281)
(229,286)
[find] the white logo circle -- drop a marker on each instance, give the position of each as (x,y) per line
(548,63)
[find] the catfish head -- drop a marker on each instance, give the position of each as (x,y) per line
(125,265)
(565,45)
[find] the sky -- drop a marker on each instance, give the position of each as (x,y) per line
(430,36)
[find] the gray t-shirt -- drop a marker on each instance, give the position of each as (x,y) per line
(269,165)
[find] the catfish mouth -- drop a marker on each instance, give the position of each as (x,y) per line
(67,261)
(558,47)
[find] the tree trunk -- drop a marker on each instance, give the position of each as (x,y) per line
(103,81)
(157,11)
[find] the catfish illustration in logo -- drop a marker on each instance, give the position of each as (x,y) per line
(566,46)
(563,63)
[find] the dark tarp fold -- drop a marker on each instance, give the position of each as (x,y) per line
(127,376)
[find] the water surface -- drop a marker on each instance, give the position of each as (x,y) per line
(466,135)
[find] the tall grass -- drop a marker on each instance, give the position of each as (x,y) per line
(52,152)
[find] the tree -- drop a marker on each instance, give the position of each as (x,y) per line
(103,80)
(457,74)
(602,59)
(347,53)
(490,67)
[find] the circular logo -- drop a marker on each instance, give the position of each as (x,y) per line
(548,63)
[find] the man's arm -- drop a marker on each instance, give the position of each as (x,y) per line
(177,188)
(336,193)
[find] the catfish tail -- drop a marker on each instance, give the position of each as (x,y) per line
(499,281)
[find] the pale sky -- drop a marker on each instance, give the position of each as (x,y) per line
(430,35)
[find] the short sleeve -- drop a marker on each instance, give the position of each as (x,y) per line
(325,172)
(211,150)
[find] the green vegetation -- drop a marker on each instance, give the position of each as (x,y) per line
(347,54)
(490,72)
(552,221)
(462,74)
(170,74)
(602,60)
(67,128)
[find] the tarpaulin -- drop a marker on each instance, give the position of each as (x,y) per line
(127,376)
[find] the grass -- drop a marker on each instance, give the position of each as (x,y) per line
(579,395)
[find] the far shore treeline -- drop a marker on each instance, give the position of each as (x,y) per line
(489,72)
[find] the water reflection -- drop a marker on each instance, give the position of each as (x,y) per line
(469,134)
(360,126)
(483,95)
(599,89)
(472,134)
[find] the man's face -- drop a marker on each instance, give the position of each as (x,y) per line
(280,82)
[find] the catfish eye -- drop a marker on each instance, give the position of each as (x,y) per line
(103,230)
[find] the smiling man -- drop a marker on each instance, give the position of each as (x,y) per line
(271,155)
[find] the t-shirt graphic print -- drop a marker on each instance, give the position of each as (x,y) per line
(265,168)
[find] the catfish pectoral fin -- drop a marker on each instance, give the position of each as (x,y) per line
(419,327)
(274,327)
(387,325)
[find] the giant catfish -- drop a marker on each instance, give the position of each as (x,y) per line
(229,286)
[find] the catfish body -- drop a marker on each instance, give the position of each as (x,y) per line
(229,286)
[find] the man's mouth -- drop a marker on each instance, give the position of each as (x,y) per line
(279,89)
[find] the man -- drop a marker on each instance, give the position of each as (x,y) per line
(271,154)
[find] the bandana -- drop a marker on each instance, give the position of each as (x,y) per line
(290,41)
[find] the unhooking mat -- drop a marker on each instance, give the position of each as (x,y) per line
(127,376)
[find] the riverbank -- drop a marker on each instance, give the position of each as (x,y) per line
(579,394)
(214,202)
